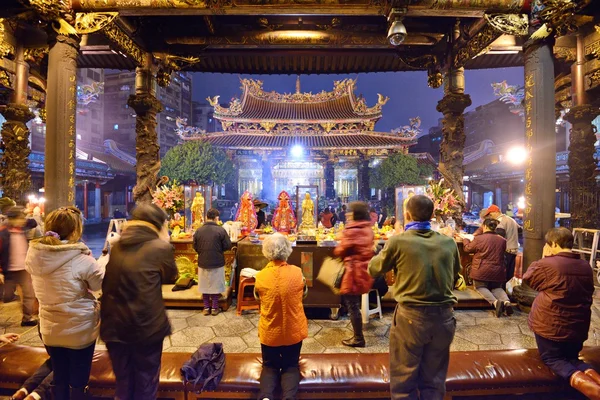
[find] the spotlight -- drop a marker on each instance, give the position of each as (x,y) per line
(516,155)
(397,32)
(521,203)
(297,151)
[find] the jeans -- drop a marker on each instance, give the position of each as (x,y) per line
(561,357)
(23,279)
(71,368)
(491,291)
(41,380)
(420,339)
(280,364)
(137,369)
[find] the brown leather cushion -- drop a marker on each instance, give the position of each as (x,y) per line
(320,372)
(17,363)
(468,371)
(478,370)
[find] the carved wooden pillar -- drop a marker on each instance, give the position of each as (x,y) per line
(329,179)
(364,190)
(146,106)
(453,106)
(582,165)
(14,167)
(540,143)
(61,100)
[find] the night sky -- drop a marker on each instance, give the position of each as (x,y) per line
(408,91)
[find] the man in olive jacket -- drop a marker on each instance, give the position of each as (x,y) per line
(134,319)
(426,265)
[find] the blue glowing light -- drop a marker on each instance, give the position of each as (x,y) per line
(297,151)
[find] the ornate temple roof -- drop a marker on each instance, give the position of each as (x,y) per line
(316,142)
(337,106)
(335,120)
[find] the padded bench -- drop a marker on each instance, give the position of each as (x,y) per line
(475,374)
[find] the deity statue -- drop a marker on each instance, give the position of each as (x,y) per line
(308,213)
(283,218)
(246,213)
(197,211)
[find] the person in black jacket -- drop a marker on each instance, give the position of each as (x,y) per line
(134,320)
(210,242)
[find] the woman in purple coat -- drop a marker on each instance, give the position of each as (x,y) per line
(487,269)
(561,313)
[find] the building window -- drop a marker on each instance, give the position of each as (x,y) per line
(90,73)
(95,114)
(95,128)
(116,127)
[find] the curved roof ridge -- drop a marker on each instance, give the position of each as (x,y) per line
(340,104)
(254,88)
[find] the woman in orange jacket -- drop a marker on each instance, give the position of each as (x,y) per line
(280,288)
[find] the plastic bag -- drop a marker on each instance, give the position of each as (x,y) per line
(510,285)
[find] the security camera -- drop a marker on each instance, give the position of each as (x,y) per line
(397,33)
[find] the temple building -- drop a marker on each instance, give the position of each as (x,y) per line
(281,140)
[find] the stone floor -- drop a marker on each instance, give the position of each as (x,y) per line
(476,330)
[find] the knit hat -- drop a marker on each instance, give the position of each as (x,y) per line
(149,213)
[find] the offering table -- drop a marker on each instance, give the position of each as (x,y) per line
(186,260)
(309,257)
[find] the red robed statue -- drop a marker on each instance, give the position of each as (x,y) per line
(246,213)
(283,218)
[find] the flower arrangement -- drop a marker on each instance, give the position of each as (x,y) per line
(445,201)
(169,197)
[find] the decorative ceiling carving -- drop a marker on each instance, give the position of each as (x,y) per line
(510,24)
(124,43)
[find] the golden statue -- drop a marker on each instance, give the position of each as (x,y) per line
(308,213)
(197,211)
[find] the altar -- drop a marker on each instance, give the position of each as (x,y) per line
(308,257)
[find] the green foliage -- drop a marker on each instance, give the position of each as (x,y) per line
(396,170)
(197,160)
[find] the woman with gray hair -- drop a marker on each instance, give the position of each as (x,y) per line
(280,288)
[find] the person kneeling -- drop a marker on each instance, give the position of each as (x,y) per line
(280,288)
(561,313)
(487,269)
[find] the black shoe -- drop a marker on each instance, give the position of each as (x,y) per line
(354,342)
(499,308)
(508,308)
(31,322)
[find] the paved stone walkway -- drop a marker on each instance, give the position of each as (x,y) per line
(476,330)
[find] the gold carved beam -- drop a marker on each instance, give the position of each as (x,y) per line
(457,8)
(124,43)
(474,46)
(310,38)
(6,47)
